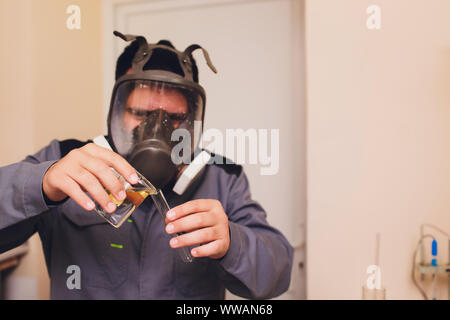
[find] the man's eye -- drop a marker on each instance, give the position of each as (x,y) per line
(177,116)
(139,113)
(142,113)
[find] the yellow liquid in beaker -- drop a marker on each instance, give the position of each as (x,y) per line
(134,196)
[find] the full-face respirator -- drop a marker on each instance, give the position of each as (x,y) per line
(148,105)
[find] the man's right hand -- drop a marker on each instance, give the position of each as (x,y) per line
(88,169)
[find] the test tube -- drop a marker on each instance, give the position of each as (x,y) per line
(163,207)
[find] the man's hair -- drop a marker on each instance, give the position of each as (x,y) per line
(160,59)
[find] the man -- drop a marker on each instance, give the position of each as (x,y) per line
(52,192)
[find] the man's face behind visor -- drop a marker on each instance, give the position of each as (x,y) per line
(145,110)
(145,99)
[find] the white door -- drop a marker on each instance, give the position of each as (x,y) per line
(257,48)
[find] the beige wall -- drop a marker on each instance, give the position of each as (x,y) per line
(67,82)
(378,140)
(50,88)
(15,80)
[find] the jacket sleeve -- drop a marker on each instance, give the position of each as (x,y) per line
(258,263)
(21,196)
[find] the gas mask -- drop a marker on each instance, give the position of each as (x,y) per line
(149,106)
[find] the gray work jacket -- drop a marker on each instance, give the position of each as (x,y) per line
(136,261)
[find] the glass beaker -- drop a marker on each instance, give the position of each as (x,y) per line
(135,195)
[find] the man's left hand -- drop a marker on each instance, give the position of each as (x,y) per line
(204,223)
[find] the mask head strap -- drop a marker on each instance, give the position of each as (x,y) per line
(142,55)
(145,51)
(188,54)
